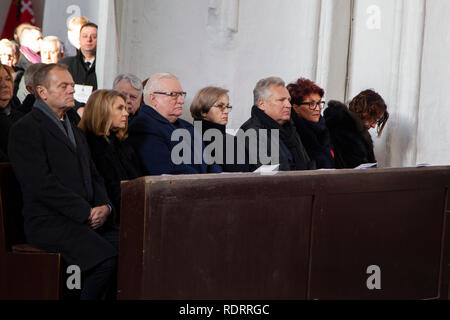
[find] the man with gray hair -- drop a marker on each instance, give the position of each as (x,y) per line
(52,50)
(271,120)
(151,132)
(131,87)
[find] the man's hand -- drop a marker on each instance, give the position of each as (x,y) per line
(98,216)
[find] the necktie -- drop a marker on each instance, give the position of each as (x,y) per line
(88,65)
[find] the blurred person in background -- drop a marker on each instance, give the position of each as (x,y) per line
(9,53)
(73,35)
(9,113)
(52,50)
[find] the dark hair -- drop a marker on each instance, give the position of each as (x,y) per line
(89,24)
(370,106)
(40,77)
(303,88)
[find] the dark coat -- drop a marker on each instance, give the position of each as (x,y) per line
(27,103)
(6,122)
(292,153)
(351,140)
(150,136)
(60,185)
(116,161)
(227,139)
(316,139)
(79,71)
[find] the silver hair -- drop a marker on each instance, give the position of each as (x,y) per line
(9,44)
(134,81)
(262,91)
(153,83)
(59,43)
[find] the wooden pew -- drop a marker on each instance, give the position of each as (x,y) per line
(293,235)
(25,272)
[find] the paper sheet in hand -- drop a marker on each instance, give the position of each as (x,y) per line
(82,93)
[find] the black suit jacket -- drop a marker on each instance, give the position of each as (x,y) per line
(60,185)
(80,73)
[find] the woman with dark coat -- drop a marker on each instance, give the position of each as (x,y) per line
(306,100)
(211,106)
(9,105)
(105,122)
(349,128)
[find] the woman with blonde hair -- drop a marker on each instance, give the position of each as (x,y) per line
(105,123)
(9,108)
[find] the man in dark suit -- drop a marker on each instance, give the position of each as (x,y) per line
(82,66)
(271,114)
(65,205)
(150,133)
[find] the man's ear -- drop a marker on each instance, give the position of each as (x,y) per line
(261,104)
(151,99)
(41,91)
(29,89)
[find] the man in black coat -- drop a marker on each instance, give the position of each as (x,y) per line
(82,66)
(65,205)
(271,115)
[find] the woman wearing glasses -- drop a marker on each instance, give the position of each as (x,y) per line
(211,106)
(307,104)
(349,127)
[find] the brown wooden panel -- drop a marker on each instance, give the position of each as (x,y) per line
(399,231)
(253,244)
(32,276)
(133,224)
(248,236)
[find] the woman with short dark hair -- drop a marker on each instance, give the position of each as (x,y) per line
(105,123)
(349,127)
(307,104)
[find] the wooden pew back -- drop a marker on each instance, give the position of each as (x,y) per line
(296,235)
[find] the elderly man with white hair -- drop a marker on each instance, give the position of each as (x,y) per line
(151,131)
(52,50)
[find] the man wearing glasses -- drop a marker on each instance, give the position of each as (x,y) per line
(151,131)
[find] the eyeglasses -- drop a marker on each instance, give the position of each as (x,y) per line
(222,106)
(173,95)
(312,105)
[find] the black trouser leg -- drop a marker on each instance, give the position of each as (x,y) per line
(97,280)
